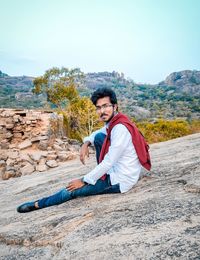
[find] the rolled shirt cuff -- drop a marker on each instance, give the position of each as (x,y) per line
(87,139)
(88,180)
(82,179)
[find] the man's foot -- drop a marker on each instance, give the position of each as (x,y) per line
(27,207)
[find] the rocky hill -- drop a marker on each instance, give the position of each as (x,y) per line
(177,96)
(16,92)
(158,219)
(185,81)
(105,79)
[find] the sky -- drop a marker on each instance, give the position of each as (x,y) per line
(145,39)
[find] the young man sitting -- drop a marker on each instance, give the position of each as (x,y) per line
(121,151)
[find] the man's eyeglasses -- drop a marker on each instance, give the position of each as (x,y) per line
(104,107)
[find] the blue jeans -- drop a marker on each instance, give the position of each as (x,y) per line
(101,186)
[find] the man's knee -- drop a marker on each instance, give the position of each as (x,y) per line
(99,139)
(64,195)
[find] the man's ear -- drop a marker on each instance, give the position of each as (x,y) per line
(115,107)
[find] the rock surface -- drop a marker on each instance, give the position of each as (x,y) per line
(158,219)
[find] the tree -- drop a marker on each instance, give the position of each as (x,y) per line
(82,118)
(59,85)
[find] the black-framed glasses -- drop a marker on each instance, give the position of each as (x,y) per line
(104,107)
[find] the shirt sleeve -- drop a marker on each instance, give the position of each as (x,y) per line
(92,136)
(120,138)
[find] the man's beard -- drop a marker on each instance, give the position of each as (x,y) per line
(107,121)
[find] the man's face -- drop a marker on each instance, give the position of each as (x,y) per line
(105,109)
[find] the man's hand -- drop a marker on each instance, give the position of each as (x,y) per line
(84,152)
(75,184)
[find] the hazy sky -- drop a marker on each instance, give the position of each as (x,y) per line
(144,39)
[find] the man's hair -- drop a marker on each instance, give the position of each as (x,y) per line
(104,92)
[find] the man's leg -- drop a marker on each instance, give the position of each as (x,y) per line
(64,195)
(101,187)
(98,142)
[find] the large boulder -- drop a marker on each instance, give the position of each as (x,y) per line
(157,219)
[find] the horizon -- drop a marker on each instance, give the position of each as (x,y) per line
(146,40)
(103,72)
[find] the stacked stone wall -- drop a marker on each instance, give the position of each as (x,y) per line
(32,141)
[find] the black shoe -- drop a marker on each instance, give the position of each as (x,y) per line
(26,207)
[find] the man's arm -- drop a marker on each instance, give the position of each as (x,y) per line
(120,138)
(75,184)
(84,151)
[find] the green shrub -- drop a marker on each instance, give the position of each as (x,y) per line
(163,130)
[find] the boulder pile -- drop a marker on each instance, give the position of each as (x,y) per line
(32,141)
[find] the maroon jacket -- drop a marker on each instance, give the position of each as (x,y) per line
(138,140)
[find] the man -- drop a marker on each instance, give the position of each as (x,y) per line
(121,151)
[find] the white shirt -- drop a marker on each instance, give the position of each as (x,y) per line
(121,162)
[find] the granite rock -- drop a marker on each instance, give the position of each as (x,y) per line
(25,144)
(27,169)
(42,167)
(157,219)
(51,163)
